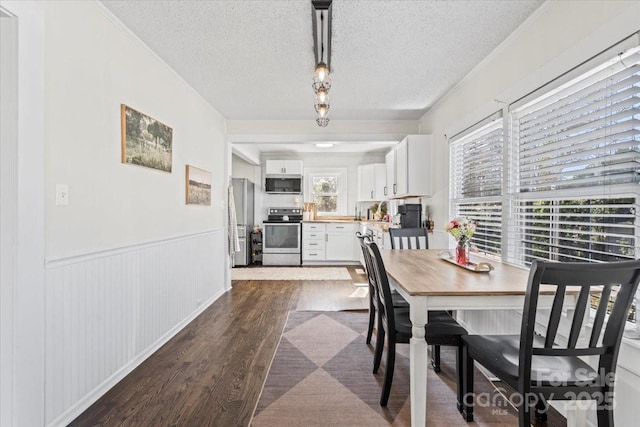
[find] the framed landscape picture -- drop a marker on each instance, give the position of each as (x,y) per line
(198,186)
(145,141)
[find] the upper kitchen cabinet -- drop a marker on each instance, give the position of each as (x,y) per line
(283,167)
(371,182)
(407,168)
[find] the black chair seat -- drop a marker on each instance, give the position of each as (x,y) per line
(441,329)
(398,300)
(502,352)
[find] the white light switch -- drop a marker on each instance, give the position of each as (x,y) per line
(62,194)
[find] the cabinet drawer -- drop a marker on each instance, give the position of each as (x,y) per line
(313,235)
(312,255)
(341,227)
(313,227)
(316,245)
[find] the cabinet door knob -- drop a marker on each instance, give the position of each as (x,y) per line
(385,190)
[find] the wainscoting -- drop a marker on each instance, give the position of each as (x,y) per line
(106,312)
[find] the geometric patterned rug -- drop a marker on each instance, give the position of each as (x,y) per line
(321,375)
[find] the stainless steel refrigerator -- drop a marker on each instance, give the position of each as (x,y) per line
(243,196)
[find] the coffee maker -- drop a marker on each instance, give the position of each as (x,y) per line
(410,215)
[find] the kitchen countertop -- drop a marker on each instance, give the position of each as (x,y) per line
(378,225)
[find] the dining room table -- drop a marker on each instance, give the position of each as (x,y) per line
(430,279)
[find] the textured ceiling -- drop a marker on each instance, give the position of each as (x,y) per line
(253,60)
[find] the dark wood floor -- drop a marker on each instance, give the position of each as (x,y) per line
(211,373)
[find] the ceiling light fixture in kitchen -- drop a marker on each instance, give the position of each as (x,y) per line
(324,145)
(321,17)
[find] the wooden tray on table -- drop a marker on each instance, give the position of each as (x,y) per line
(480,267)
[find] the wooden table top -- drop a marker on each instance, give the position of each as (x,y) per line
(423,272)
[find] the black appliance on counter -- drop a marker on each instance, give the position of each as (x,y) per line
(410,215)
(281,241)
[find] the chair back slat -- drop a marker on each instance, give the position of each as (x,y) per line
(409,238)
(578,316)
(554,318)
(598,320)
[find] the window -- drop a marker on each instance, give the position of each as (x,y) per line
(327,189)
(477,178)
(573,184)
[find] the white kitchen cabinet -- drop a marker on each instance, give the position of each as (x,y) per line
(407,168)
(340,240)
(371,182)
(313,242)
(332,242)
(283,167)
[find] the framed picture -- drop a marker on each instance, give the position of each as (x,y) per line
(145,141)
(198,186)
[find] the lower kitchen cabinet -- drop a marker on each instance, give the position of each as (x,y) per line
(340,242)
(313,242)
(329,242)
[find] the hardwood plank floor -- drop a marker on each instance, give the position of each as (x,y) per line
(211,373)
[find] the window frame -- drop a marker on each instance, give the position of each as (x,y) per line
(341,174)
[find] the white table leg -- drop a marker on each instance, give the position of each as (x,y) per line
(577,412)
(418,361)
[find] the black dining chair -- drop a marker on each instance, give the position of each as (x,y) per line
(541,365)
(417,238)
(395,327)
(397,299)
(409,238)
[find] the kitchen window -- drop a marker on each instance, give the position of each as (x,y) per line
(327,188)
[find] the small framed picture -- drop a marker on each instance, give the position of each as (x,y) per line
(198,186)
(145,141)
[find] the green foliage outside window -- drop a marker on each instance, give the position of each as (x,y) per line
(325,193)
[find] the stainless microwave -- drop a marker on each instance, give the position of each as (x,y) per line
(283,184)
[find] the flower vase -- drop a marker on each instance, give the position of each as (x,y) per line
(462,253)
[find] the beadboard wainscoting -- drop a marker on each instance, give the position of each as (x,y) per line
(106,312)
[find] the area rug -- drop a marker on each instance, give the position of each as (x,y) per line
(290,273)
(333,296)
(321,376)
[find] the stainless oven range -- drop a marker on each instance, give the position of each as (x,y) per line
(281,237)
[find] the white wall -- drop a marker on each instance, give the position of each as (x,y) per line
(93,66)
(23,278)
(557,37)
(128,263)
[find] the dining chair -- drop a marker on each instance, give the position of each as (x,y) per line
(417,238)
(395,327)
(409,238)
(541,364)
(397,299)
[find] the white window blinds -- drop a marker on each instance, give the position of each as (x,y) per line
(575,168)
(476,166)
